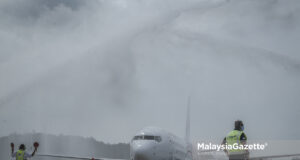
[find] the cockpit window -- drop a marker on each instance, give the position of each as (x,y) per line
(147,137)
(137,137)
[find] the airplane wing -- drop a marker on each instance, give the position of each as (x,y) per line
(274,156)
(74,157)
(86,158)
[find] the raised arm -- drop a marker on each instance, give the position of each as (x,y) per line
(36,145)
(33,153)
(12,148)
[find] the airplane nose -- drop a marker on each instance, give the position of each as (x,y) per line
(140,157)
(142,152)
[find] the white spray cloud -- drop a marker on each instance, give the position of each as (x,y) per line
(108,68)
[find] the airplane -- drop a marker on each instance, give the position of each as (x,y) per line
(153,143)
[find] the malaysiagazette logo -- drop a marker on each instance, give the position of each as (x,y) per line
(219,147)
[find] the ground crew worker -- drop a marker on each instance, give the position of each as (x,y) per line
(238,137)
(21,154)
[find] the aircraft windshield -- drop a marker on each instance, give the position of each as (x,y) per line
(147,137)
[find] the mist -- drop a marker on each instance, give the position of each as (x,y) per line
(106,69)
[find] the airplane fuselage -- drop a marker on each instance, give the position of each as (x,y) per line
(153,143)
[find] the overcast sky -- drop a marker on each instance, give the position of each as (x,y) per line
(107,69)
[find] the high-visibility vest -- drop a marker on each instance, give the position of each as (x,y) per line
(20,155)
(233,138)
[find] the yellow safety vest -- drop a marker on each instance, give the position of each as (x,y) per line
(20,155)
(233,139)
